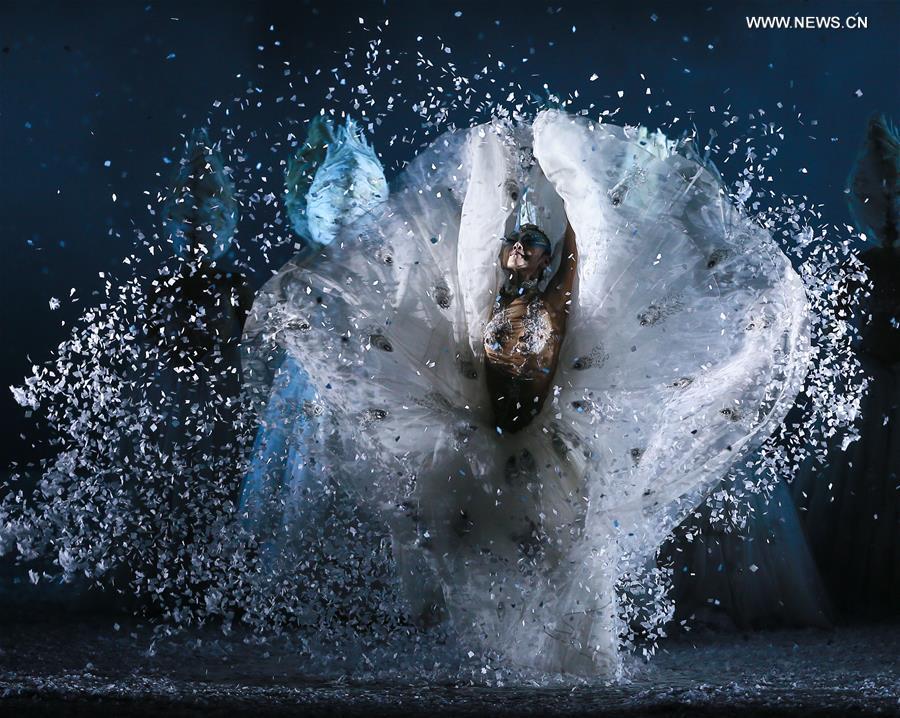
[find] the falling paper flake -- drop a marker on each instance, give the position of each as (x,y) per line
(140,392)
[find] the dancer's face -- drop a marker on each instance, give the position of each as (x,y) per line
(525,258)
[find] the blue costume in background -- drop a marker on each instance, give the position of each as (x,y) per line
(332,179)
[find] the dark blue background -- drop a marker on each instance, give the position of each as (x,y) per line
(83,83)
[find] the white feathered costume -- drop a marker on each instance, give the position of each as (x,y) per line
(686,344)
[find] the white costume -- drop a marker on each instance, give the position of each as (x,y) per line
(685,347)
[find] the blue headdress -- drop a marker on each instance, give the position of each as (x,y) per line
(527,222)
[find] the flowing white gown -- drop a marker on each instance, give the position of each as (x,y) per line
(686,344)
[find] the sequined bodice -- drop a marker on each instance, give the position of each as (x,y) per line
(521,349)
(521,337)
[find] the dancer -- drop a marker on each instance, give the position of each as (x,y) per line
(523,338)
(530,447)
(851,506)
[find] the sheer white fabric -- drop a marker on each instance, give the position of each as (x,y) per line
(686,345)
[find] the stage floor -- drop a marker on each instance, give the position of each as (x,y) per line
(89,668)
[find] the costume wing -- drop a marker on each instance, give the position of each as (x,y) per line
(685,347)
(688,340)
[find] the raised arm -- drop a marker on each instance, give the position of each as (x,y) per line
(558,295)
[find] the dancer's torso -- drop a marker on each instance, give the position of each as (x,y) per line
(521,351)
